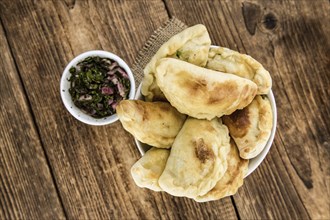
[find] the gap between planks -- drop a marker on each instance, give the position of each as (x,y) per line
(35,125)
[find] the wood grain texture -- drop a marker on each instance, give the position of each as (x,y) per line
(91,165)
(27,190)
(291,39)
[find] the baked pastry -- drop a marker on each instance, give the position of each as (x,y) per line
(229,61)
(147,170)
(251,127)
(231,180)
(153,123)
(197,160)
(202,93)
(191,45)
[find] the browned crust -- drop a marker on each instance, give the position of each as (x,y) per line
(238,122)
(203,152)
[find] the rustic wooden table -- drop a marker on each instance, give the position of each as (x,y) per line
(53,166)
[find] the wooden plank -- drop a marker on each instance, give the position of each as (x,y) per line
(291,39)
(27,190)
(91,165)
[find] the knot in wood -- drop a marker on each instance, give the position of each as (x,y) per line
(251,15)
(270,21)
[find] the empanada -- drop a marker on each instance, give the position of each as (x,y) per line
(200,92)
(231,180)
(251,127)
(153,123)
(191,45)
(229,61)
(197,160)
(148,169)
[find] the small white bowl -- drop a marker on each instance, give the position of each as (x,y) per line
(65,85)
(254,162)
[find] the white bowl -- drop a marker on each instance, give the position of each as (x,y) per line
(65,85)
(254,162)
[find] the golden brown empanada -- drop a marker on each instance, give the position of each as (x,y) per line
(191,45)
(231,180)
(148,169)
(251,127)
(200,92)
(229,61)
(197,160)
(153,123)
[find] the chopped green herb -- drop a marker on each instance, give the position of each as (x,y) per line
(97,85)
(178,53)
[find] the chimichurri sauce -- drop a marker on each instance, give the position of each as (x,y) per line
(97,85)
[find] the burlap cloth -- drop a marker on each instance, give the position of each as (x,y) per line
(156,40)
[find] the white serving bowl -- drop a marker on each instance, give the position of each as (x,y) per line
(65,85)
(254,162)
